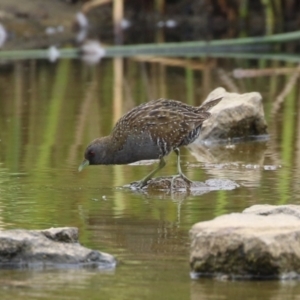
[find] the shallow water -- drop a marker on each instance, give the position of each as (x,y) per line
(49,112)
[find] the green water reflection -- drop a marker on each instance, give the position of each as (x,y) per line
(49,112)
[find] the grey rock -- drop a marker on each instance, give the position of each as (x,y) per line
(246,245)
(62,234)
(181,186)
(266,210)
(236,116)
(55,247)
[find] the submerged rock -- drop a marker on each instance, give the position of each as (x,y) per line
(259,243)
(54,247)
(160,188)
(236,116)
(181,186)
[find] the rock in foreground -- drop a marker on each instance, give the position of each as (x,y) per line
(247,245)
(54,247)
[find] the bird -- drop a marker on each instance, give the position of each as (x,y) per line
(149,131)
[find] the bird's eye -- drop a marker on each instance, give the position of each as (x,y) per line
(91,153)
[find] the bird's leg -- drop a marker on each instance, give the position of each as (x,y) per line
(144,181)
(180,174)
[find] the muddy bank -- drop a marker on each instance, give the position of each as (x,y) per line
(37,23)
(42,23)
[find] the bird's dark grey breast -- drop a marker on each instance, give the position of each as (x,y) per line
(137,147)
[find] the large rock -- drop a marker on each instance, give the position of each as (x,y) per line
(52,247)
(247,245)
(236,116)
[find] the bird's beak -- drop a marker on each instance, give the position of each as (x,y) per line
(83,165)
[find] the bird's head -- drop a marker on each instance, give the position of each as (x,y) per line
(95,154)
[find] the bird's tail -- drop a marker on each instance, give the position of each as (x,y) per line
(208,105)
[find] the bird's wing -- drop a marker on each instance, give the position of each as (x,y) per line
(174,104)
(171,126)
(168,124)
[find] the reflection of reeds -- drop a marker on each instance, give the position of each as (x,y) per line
(207,77)
(297,151)
(189,83)
(82,118)
(33,112)
(15,133)
(162,82)
(273,84)
(118,88)
(286,90)
(54,112)
(174,62)
(227,80)
(146,82)
(287,141)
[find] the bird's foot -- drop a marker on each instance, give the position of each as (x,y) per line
(138,184)
(187,181)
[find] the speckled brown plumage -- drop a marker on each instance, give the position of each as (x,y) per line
(149,131)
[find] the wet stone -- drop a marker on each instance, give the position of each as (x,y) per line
(267,210)
(54,247)
(237,116)
(65,234)
(262,242)
(180,185)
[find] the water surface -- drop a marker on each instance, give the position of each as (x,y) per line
(50,112)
